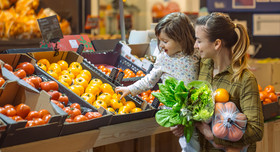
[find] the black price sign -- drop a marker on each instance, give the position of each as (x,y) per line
(50,29)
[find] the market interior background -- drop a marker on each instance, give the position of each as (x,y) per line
(137,17)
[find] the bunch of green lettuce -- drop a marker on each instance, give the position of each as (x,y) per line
(187,104)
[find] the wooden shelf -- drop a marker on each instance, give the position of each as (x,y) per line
(94,138)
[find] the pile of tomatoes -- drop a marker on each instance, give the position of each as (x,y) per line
(147,95)
(127,72)
(268,95)
(23,112)
(93,91)
(2,81)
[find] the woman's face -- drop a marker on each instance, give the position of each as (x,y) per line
(202,44)
(169,46)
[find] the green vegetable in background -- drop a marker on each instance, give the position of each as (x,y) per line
(187,104)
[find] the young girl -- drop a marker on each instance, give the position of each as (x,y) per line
(222,45)
(175,34)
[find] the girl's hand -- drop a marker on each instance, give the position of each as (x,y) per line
(178,130)
(205,130)
(125,91)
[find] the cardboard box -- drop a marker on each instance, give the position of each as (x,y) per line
(267,73)
(15,93)
(139,49)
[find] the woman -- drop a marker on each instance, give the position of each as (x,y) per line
(223,45)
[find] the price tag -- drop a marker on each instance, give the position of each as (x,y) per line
(92,22)
(146,64)
(50,29)
(73,43)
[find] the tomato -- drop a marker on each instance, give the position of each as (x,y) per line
(22,110)
(20,73)
(93,115)
(76,65)
(29,82)
(81,81)
(93,89)
(49,85)
(69,120)
(63,99)
(27,67)
(47,118)
(39,121)
(30,123)
(130,104)
(55,67)
(106,97)
(7,106)
(76,112)
(69,73)
(75,90)
(106,87)
(86,72)
(42,66)
(75,105)
(32,115)
(74,71)
(100,67)
(45,62)
(85,76)
(116,104)
(17,118)
(96,81)
(8,67)
(53,74)
(80,88)
(88,97)
(68,110)
(36,80)
(80,118)
(11,112)
(54,94)
(136,110)
(63,64)
(139,72)
(99,103)
(44,112)
(124,110)
(59,104)
(3,111)
(2,81)
(65,78)
(111,110)
(272,97)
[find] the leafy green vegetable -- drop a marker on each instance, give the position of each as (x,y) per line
(190,103)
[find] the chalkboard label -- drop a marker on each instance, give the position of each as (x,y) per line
(50,29)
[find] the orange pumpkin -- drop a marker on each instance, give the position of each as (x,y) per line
(234,133)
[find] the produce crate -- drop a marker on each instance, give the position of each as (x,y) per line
(70,57)
(15,93)
(70,128)
(114,58)
(271,110)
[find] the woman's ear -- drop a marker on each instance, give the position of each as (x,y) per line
(218,44)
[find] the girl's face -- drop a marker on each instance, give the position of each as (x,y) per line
(202,44)
(169,46)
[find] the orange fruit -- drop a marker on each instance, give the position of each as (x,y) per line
(269,89)
(263,95)
(221,95)
(130,104)
(272,97)
(260,88)
(136,110)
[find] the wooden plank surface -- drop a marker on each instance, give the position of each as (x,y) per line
(129,130)
(69,143)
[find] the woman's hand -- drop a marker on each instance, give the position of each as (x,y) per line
(125,91)
(205,130)
(178,130)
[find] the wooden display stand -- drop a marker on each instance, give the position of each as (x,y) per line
(141,135)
